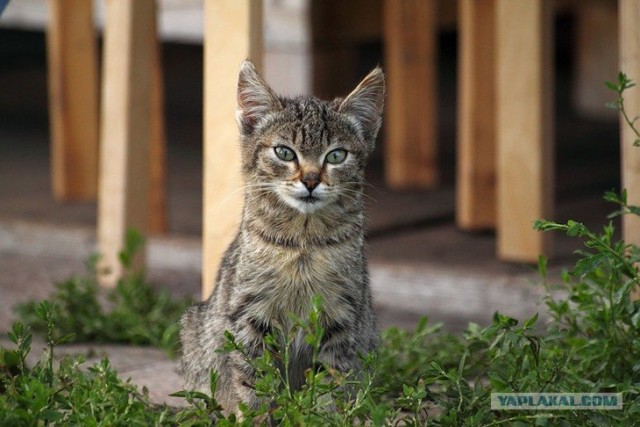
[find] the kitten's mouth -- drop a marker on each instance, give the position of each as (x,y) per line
(305,204)
(309,199)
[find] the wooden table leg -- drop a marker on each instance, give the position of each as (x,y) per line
(476,150)
(524,127)
(126,107)
(410,29)
(629,16)
(158,222)
(233,33)
(73,99)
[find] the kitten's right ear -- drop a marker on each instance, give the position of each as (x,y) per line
(365,104)
(255,98)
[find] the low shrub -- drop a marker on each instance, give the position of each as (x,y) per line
(132,312)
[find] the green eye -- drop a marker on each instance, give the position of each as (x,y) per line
(284,153)
(336,156)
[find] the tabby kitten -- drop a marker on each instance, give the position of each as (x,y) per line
(302,234)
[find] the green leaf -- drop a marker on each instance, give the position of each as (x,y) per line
(43,310)
(588,264)
(575,229)
(531,322)
(463,359)
(544,225)
(190,394)
(50,416)
(407,390)
(542,266)
(19,334)
(379,415)
(10,359)
(134,241)
(504,321)
(611,85)
(623,293)
(623,196)
(213,382)
(613,197)
(435,366)
(65,339)
(624,82)
(498,380)
(616,214)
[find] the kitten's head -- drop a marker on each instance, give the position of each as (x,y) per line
(308,152)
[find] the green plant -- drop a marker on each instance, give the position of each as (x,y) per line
(67,394)
(601,316)
(328,397)
(437,385)
(622,84)
(62,394)
(133,312)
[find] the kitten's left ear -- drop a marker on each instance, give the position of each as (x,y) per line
(365,104)
(255,98)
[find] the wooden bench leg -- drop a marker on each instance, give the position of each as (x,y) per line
(476,151)
(126,110)
(158,222)
(410,29)
(524,127)
(233,32)
(629,16)
(73,100)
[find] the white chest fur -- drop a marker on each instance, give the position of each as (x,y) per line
(290,278)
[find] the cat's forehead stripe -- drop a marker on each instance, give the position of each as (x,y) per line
(311,128)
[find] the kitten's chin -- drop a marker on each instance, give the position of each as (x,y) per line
(305,205)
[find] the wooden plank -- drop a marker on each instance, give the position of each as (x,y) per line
(233,33)
(339,23)
(410,29)
(596,57)
(629,15)
(476,150)
(330,68)
(73,100)
(158,144)
(524,127)
(126,120)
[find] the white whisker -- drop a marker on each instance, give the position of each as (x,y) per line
(341,190)
(241,191)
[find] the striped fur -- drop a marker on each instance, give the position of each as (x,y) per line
(294,242)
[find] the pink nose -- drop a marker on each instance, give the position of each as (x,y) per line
(311,181)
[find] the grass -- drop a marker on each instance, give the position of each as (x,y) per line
(131,313)
(420,377)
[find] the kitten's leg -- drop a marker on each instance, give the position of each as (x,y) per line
(343,345)
(250,333)
(195,362)
(339,351)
